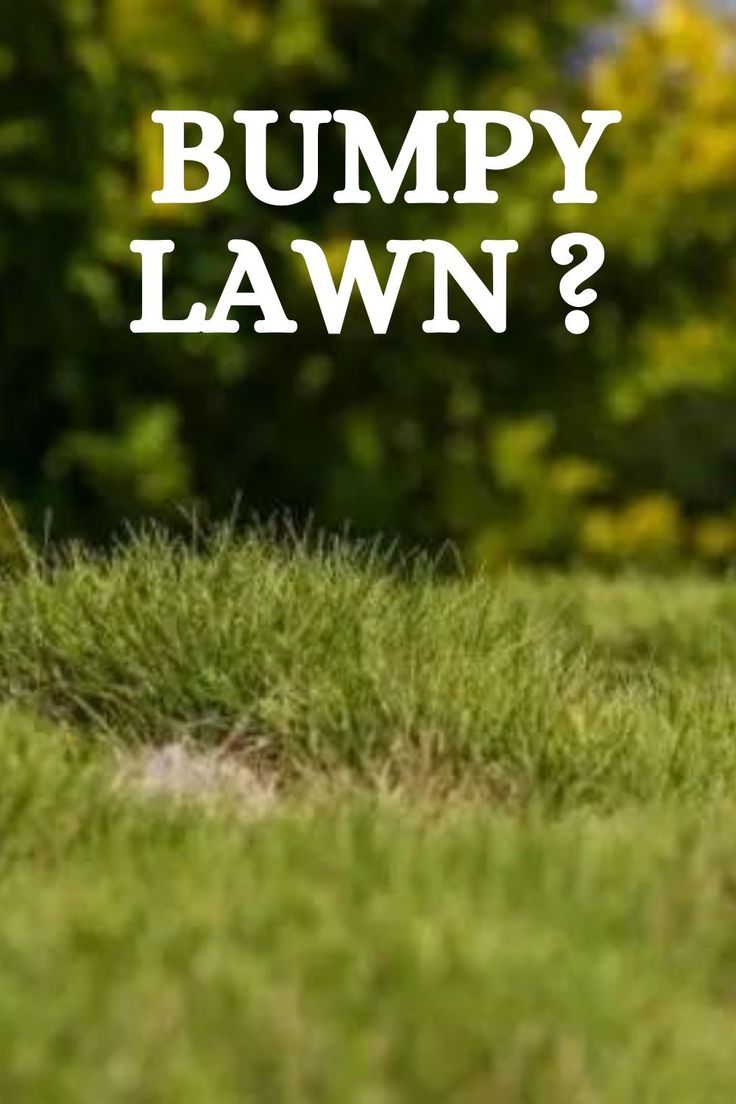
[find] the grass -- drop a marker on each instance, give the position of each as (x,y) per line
(500,864)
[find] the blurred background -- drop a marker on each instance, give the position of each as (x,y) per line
(535,445)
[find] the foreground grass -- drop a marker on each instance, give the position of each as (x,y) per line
(354,948)
(501,864)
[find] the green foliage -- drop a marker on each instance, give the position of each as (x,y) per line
(402,432)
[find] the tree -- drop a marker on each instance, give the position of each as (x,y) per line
(534,443)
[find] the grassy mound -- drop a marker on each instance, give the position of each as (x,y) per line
(559,692)
(495,863)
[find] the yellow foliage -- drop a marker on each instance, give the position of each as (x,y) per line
(647,528)
(573,477)
(714,538)
(675,82)
(697,352)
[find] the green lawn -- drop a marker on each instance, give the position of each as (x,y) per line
(496,863)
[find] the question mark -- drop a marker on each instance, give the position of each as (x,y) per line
(577,321)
